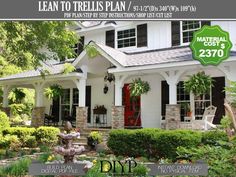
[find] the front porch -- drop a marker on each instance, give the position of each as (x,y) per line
(83,89)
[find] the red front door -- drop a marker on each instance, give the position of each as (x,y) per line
(132,108)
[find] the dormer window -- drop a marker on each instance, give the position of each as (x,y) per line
(182,31)
(126,38)
(188,28)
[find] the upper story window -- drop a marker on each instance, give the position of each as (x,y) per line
(188,28)
(126,38)
(182,31)
(132,37)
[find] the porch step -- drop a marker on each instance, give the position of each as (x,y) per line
(81,144)
(81,140)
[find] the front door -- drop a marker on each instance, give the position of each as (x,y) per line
(132,113)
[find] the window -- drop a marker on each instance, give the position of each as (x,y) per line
(65,103)
(126,38)
(182,31)
(188,28)
(200,103)
(75,101)
(183,98)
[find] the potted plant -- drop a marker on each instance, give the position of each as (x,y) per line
(138,87)
(53,92)
(186,106)
(198,84)
(94,139)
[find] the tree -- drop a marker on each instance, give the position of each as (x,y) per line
(23,43)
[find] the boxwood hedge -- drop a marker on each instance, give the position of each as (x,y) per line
(154,143)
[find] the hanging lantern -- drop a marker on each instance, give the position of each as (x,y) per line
(105,89)
(109,77)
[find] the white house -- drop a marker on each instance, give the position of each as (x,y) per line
(155,51)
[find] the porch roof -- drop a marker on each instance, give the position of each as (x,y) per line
(54,69)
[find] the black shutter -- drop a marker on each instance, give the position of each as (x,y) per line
(206,23)
(55,109)
(175,33)
(88,102)
(164,97)
(142,35)
(80,45)
(110,38)
(218,96)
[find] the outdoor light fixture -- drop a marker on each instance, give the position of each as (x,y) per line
(109,77)
(105,89)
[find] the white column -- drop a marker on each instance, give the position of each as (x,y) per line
(172,78)
(38,94)
(82,92)
(172,92)
(118,93)
(6,90)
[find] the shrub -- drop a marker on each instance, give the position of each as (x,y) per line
(16,120)
(21,132)
(18,109)
(4,121)
(95,136)
(166,142)
(47,135)
(220,159)
(213,137)
(10,141)
(19,168)
(30,141)
(151,142)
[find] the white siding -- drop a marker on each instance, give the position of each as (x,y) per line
(151,102)
(98,36)
(159,35)
(229,26)
(99,98)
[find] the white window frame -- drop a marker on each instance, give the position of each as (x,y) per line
(193,101)
(182,31)
(70,104)
(201,100)
(116,37)
(63,104)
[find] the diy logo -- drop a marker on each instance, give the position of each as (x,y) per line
(118,167)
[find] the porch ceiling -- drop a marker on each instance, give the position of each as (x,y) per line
(96,66)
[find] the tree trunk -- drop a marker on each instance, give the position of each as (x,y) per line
(230,113)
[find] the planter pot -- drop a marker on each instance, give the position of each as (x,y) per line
(189,114)
(92,143)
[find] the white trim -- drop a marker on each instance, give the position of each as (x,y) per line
(40,79)
(101,52)
(101,26)
(135,37)
(161,66)
(182,31)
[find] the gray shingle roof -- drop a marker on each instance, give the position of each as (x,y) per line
(149,57)
(53,69)
(161,56)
